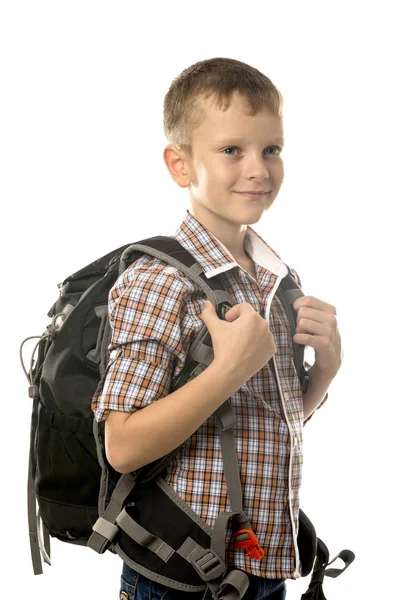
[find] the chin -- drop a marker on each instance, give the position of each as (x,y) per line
(246,220)
(253,216)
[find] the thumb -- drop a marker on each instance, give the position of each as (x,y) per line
(209,314)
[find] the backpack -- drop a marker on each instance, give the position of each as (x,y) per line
(76,496)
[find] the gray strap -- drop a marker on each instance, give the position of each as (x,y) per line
(231,469)
(211,568)
(227,421)
(197,268)
(41,538)
(293,294)
(222,296)
(33,529)
(125,484)
(187,548)
(218,533)
(204,354)
(226,416)
(46,540)
(144,537)
(105,528)
(234,586)
(98,542)
(104,470)
(215,296)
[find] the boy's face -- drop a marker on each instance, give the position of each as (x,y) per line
(234,153)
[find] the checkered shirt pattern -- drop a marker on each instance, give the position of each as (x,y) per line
(154,311)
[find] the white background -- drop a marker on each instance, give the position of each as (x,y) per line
(81,140)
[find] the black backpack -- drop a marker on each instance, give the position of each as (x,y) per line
(74,494)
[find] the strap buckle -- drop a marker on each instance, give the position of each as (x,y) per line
(222,308)
(208,565)
(246,539)
(305,384)
(103,535)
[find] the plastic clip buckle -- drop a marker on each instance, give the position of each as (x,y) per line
(222,309)
(247,540)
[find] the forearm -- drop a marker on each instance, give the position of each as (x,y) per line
(318,387)
(154,431)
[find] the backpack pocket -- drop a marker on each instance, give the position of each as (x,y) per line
(67,475)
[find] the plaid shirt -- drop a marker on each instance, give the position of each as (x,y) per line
(155,311)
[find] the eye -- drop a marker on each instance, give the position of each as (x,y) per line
(278,148)
(230,148)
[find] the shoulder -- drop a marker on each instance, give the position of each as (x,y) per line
(149,281)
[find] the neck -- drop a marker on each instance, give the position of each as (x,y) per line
(230,234)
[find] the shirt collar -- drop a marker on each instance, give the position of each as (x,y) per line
(215,258)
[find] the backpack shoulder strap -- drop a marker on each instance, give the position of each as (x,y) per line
(287,292)
(169,250)
(200,354)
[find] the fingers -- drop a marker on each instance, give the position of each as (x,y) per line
(319,316)
(313,327)
(313,303)
(231,315)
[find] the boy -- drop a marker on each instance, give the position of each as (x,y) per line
(223,120)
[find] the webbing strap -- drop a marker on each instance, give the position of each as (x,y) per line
(287,292)
(226,421)
(319,571)
(234,585)
(97,541)
(218,533)
(105,528)
(33,528)
(293,294)
(215,296)
(143,537)
(46,539)
(204,355)
(211,568)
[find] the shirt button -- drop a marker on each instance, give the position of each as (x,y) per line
(295,441)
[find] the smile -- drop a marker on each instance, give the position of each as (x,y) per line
(253,194)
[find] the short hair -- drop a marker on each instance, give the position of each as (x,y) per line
(215,79)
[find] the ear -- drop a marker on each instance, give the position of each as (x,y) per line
(177,165)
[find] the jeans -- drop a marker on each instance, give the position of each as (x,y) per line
(137,587)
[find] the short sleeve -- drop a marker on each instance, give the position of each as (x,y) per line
(150,338)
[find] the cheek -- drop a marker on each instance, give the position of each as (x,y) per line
(223,175)
(278,172)
(212,177)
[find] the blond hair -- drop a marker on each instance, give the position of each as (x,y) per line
(214,79)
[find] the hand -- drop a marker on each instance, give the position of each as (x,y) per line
(317,327)
(242,341)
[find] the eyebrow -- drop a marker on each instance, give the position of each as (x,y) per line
(228,140)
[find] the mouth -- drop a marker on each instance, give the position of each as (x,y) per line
(254,194)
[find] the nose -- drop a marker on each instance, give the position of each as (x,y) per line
(257,168)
